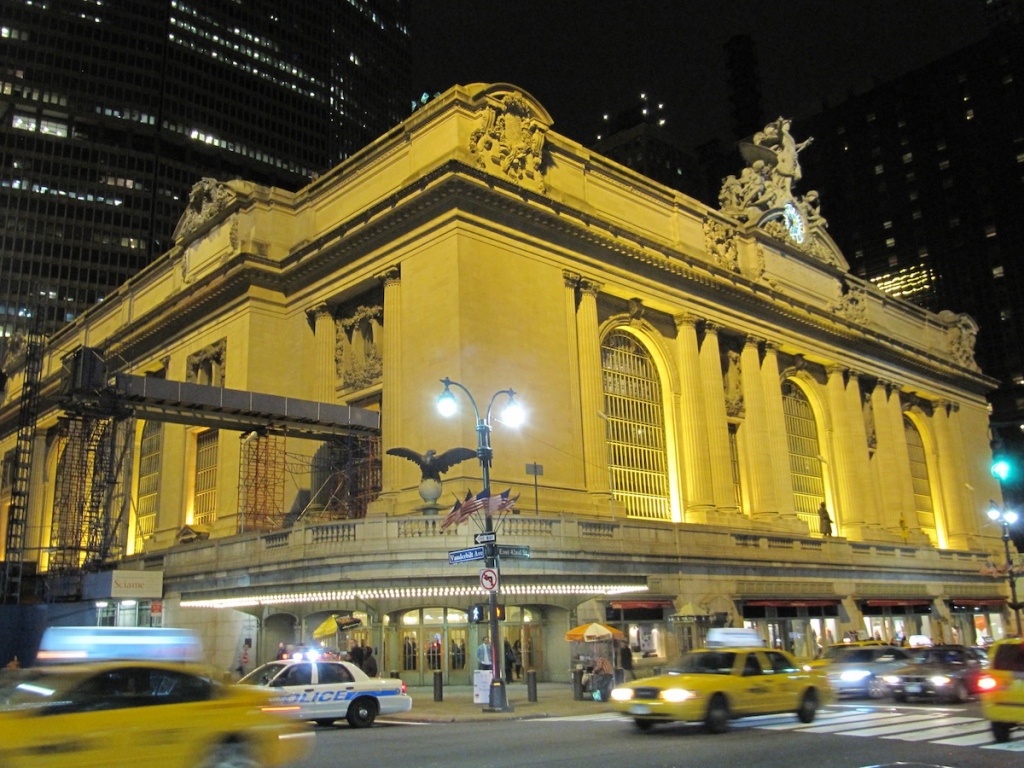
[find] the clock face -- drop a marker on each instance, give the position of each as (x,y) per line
(794,222)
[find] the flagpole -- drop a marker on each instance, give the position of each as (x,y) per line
(498,699)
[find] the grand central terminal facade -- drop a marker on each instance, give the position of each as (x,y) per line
(704,388)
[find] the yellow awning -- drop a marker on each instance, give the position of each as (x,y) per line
(329,628)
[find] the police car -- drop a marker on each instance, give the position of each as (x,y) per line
(325,691)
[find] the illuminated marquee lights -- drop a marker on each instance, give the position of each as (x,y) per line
(412,592)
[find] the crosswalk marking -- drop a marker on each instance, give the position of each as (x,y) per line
(934,726)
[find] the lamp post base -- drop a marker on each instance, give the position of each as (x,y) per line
(498,701)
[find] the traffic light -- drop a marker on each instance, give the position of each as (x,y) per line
(479,613)
(1002,465)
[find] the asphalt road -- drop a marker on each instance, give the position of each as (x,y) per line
(844,736)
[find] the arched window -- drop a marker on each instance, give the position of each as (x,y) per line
(804,454)
(922,483)
(149,482)
(637,457)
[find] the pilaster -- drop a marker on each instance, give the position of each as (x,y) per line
(695,464)
(595,428)
(717,422)
(763,502)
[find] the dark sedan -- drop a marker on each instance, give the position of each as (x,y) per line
(941,672)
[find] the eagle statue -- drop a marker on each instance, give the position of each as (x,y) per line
(431,466)
(431,463)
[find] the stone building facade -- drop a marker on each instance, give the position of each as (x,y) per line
(698,383)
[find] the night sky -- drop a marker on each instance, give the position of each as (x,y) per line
(584,58)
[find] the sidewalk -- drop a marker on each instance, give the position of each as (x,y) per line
(553,700)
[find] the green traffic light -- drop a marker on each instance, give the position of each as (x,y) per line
(1001,469)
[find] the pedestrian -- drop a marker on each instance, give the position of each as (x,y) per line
(355,655)
(517,649)
(483,654)
(626,660)
(510,660)
(282,652)
(369,662)
(824,521)
(603,677)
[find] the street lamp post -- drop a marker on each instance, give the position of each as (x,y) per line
(1006,518)
(512,415)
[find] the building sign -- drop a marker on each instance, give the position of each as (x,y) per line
(120,585)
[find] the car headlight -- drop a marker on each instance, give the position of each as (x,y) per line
(941,680)
(891,679)
(854,675)
(622,694)
(675,695)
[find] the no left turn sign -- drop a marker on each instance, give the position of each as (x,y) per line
(489,579)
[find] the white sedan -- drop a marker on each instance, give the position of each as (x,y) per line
(326,691)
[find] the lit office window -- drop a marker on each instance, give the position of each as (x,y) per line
(637,453)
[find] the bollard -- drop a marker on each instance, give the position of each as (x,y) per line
(438,685)
(531,685)
(577,685)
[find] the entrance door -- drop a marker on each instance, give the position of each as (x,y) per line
(410,657)
(459,667)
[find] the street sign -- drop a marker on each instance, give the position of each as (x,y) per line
(489,579)
(465,555)
(513,551)
(485,538)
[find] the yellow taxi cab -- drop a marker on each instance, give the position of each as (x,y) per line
(139,713)
(133,712)
(714,685)
(1002,687)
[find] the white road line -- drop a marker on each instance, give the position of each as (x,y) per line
(970,740)
(953,726)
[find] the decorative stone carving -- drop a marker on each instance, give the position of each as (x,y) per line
(207,198)
(358,351)
(721,245)
(868,412)
(963,334)
(510,141)
(850,302)
(207,365)
(636,312)
(763,193)
(732,382)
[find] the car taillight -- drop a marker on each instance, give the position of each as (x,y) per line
(403,687)
(987,683)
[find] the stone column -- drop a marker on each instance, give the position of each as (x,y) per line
(595,429)
(779,446)
(859,451)
(849,517)
(887,464)
(756,438)
(951,477)
(325,342)
(695,464)
(579,475)
(717,421)
(391,374)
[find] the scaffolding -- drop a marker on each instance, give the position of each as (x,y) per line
(261,481)
(90,497)
(346,476)
(17,515)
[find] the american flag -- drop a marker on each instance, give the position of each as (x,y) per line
(465,509)
(501,502)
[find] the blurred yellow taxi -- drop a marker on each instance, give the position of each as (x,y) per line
(1002,687)
(713,686)
(139,713)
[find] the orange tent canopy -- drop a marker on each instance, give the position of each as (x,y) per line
(590,633)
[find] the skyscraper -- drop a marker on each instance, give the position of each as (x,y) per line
(934,160)
(111,112)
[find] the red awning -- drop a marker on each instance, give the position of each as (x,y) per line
(792,603)
(891,603)
(625,605)
(975,602)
